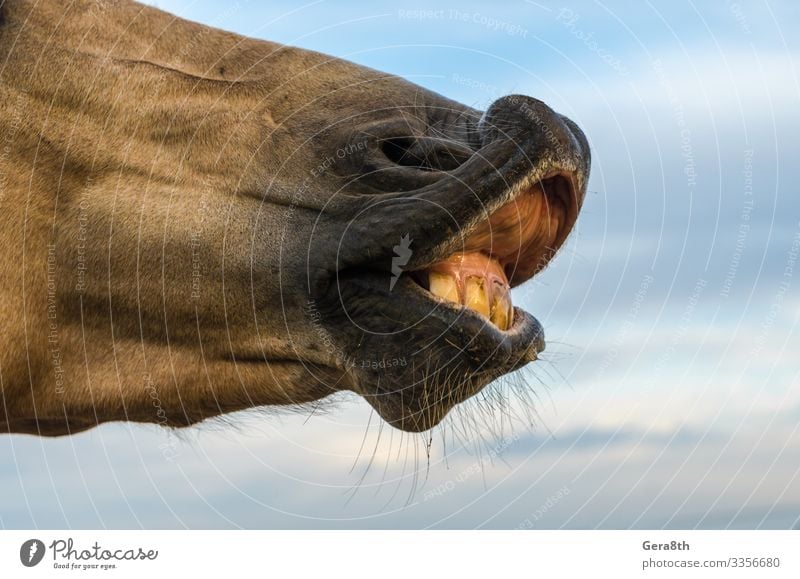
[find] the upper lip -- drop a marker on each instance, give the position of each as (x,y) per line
(440,216)
(559,187)
(379,255)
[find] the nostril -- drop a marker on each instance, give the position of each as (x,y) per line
(400,150)
(425,153)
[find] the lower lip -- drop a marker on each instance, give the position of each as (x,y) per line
(454,324)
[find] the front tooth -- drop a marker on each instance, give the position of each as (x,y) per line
(501,307)
(475,295)
(444,286)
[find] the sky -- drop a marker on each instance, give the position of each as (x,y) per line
(669,394)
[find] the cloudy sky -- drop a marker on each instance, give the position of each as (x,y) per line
(669,395)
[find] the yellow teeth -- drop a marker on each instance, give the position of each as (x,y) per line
(516,240)
(445,286)
(477,282)
(501,308)
(475,297)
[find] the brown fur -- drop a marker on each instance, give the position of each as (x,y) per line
(151,128)
(151,223)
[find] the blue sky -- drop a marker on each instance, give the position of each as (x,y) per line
(669,395)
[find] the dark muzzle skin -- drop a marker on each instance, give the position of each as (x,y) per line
(454,172)
(217,222)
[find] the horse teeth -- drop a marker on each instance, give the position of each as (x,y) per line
(475,295)
(501,307)
(444,285)
(476,281)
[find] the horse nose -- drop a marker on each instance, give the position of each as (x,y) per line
(531,122)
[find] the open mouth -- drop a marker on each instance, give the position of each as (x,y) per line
(450,320)
(506,249)
(426,263)
(456,300)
